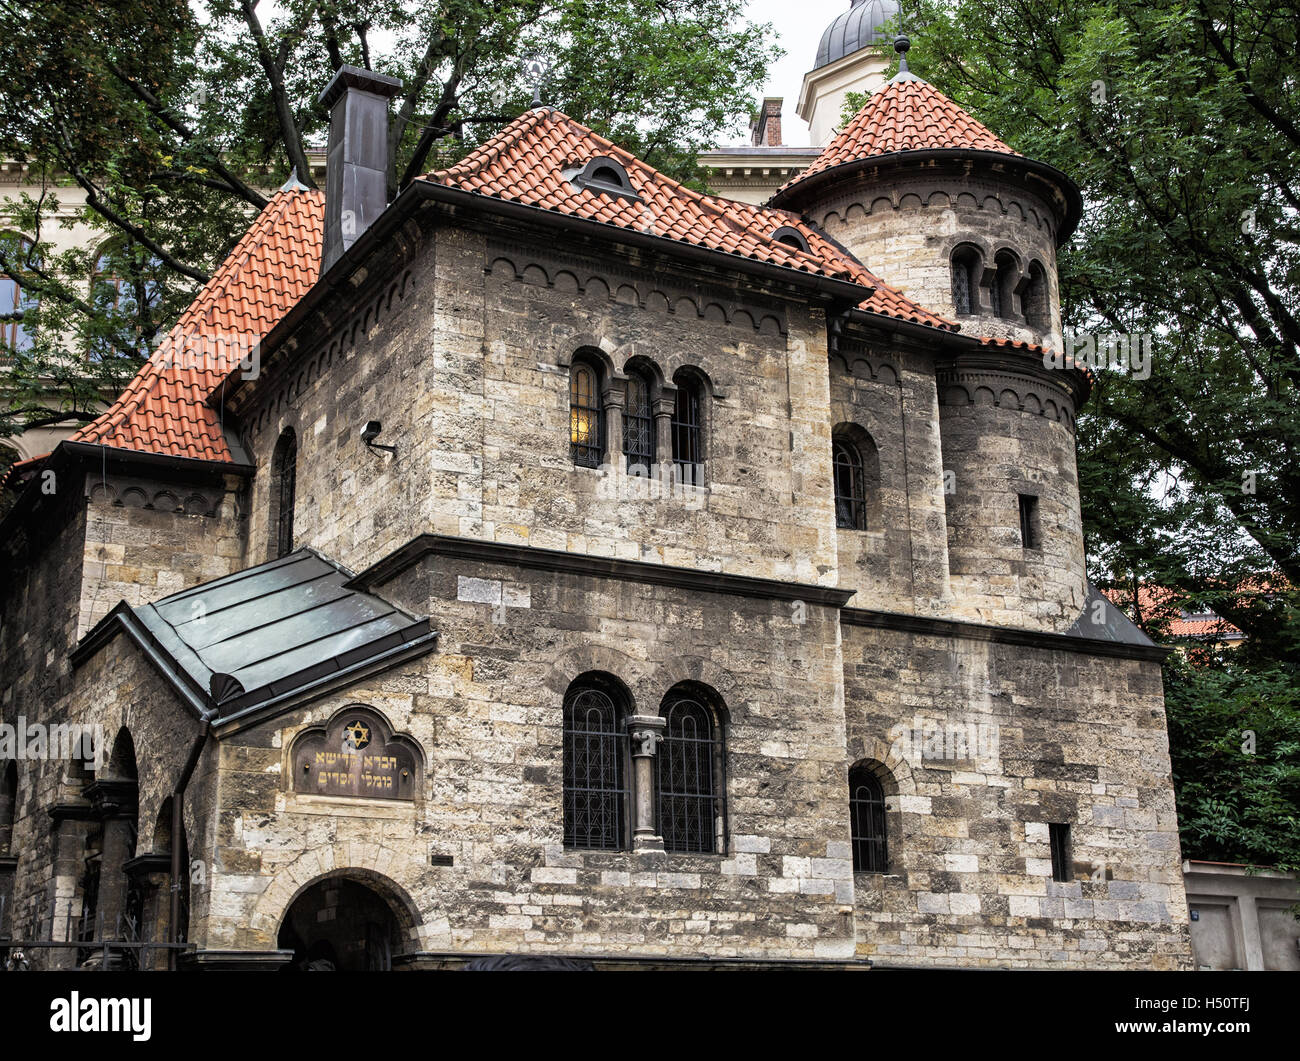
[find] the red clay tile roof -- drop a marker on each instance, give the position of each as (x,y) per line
(1160,602)
(525,163)
(164,409)
(1040,351)
(906,114)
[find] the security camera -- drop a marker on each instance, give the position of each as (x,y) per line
(371,432)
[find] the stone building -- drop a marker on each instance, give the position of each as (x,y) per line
(556,561)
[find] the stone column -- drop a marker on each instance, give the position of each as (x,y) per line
(152,874)
(646,732)
(611,400)
(114,803)
(70,824)
(663,405)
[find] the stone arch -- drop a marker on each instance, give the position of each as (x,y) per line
(363,861)
(893,770)
(679,670)
(585,659)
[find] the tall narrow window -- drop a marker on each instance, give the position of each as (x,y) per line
(850,489)
(688,442)
(639,426)
(965,280)
(688,764)
(1037,307)
(1030,536)
(867,820)
(16,302)
(595,789)
(1004,287)
(285,484)
(585,419)
(1058,835)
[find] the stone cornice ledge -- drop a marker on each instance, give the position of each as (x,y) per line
(1007,635)
(595,566)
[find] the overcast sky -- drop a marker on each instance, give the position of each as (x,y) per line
(798,28)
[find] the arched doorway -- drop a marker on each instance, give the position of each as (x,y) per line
(341,923)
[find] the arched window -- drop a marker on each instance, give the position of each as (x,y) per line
(1003,291)
(16,302)
(855,465)
(586,417)
(965,280)
(688,428)
(1037,312)
(639,425)
(690,765)
(595,768)
(850,491)
(867,820)
(284,485)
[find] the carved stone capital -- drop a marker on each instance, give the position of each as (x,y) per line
(646,732)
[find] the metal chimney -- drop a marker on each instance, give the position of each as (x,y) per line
(356,164)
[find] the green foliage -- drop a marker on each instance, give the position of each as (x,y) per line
(175,119)
(1180,121)
(1234,735)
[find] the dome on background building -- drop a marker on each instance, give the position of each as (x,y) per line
(855,29)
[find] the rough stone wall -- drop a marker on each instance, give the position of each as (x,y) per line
(905,229)
(1078,739)
(467,367)
(900,562)
(147,539)
(487,709)
(995,452)
(115,690)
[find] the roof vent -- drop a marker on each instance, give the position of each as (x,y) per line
(792,237)
(605,176)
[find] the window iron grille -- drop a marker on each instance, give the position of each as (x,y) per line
(595,789)
(688,448)
(585,419)
(850,487)
(867,821)
(639,427)
(687,779)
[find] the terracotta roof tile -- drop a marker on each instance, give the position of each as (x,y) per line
(164,409)
(906,114)
(523,163)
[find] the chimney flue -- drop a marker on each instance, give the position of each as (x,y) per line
(356,164)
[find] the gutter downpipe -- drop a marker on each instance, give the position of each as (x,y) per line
(178,827)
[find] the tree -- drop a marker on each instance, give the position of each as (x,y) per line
(1234,739)
(1180,121)
(173,119)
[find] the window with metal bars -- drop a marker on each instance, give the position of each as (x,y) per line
(850,486)
(689,765)
(285,485)
(867,820)
(1058,835)
(586,417)
(965,262)
(639,426)
(688,436)
(595,770)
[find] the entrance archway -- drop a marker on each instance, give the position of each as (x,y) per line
(341,923)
